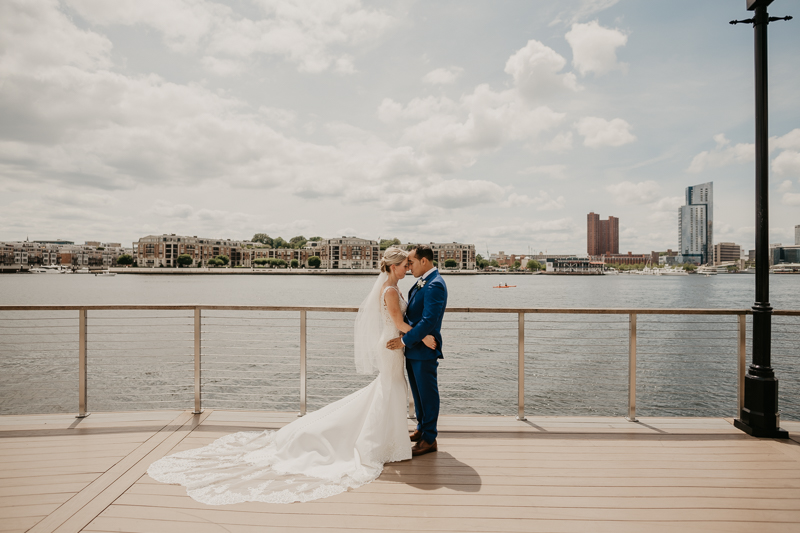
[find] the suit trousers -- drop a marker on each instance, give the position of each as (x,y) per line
(425,388)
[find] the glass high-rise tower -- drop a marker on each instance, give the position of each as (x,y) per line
(696,224)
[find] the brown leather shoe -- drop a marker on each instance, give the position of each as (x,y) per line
(422,447)
(415,436)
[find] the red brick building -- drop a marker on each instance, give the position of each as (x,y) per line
(602,236)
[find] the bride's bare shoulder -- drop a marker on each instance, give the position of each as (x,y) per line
(390,294)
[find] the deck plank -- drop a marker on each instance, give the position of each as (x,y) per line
(492,474)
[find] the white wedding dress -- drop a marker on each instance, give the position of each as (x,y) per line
(342,446)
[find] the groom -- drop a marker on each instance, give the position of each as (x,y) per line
(427,300)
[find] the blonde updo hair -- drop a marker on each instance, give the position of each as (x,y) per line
(392,256)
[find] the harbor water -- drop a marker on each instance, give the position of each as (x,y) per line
(575,364)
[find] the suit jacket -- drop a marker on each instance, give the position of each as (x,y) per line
(424,314)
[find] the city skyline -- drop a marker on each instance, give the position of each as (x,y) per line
(498,124)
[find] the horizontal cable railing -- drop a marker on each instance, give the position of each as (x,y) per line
(498,360)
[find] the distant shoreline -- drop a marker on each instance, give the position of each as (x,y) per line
(283,272)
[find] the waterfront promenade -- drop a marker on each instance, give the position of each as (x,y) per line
(492,474)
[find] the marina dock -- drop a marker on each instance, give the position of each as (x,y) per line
(567,474)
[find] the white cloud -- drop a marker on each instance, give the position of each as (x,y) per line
(462,193)
(786,186)
(627,192)
(536,71)
(553,231)
(560,143)
(542,201)
(583,10)
(307,33)
(594,48)
(551,171)
(599,132)
(787,163)
(790,141)
(443,76)
(723,154)
(791,198)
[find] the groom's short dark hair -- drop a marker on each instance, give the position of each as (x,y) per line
(423,250)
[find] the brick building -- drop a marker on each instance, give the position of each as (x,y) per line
(602,236)
(348,252)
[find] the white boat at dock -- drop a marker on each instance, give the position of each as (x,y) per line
(49,269)
(707,270)
(104,274)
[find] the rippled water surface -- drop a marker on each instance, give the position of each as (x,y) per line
(575,364)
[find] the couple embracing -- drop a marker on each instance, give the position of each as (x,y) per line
(346,443)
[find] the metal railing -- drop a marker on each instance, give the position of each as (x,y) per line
(226,337)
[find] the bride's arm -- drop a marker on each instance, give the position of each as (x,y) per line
(392,300)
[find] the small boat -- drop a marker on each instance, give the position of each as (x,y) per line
(105,274)
(504,286)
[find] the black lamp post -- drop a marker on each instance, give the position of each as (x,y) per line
(759,416)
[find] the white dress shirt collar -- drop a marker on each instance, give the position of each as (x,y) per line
(429,272)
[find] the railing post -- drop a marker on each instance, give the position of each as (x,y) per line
(82,377)
(521,367)
(742,362)
(632,369)
(198,326)
(303,391)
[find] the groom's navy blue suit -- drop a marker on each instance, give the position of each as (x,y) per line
(424,314)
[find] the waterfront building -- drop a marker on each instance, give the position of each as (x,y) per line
(622,259)
(163,250)
(727,252)
(785,255)
(797,235)
(349,252)
(462,254)
(696,224)
(508,260)
(602,236)
(22,254)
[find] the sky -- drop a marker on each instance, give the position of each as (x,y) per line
(499,123)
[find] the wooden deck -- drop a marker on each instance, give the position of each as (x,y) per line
(494,474)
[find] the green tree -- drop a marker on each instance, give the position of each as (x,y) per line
(436,263)
(450,263)
(494,263)
(185,260)
(278,242)
(125,260)
(315,239)
(480,262)
(281,263)
(295,263)
(385,243)
(260,261)
(533,265)
(263,238)
(517,264)
(689,267)
(314,261)
(213,262)
(297,242)
(223,259)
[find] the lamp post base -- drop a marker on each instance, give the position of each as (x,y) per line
(759,416)
(776,433)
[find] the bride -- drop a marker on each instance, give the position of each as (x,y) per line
(342,446)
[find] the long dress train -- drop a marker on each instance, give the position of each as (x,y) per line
(341,446)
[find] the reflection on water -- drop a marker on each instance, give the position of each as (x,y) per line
(575,364)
